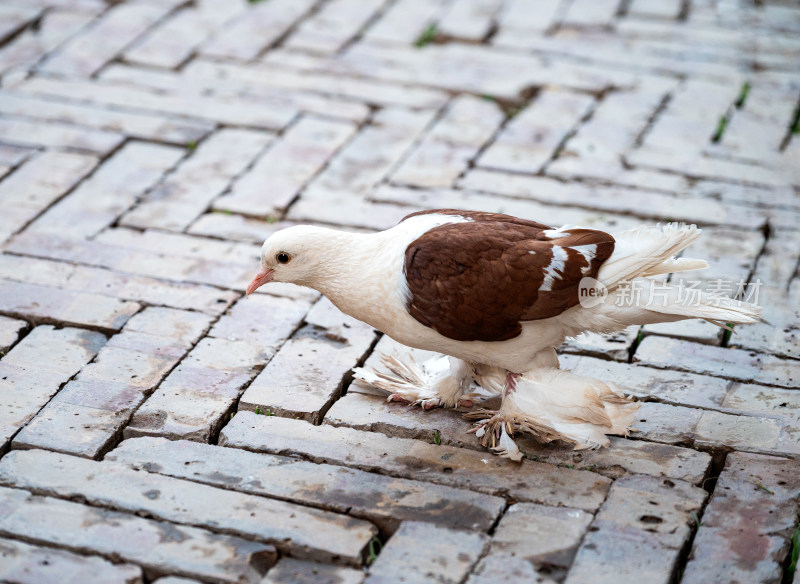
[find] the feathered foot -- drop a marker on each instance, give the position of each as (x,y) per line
(438,382)
(495,429)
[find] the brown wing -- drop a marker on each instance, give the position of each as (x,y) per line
(477,281)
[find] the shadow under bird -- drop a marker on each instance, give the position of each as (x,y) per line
(497,294)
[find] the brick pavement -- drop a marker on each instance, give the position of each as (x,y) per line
(157,426)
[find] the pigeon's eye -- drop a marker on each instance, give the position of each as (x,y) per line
(282,257)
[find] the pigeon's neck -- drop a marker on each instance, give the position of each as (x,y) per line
(360,274)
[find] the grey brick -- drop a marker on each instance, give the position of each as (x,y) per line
(158,547)
(446,151)
(32,44)
(35,369)
(71,308)
(99,200)
(28,564)
(291,571)
(87,415)
(256,29)
(86,53)
(141,125)
(173,39)
(194,400)
(405,20)
(107,283)
(226,110)
(530,139)
(382,500)
(639,531)
(269,74)
(204,175)
(423,553)
(57,135)
(736,364)
(480,471)
(544,536)
(303,532)
(745,527)
(307,374)
(10,331)
(329,29)
(296,157)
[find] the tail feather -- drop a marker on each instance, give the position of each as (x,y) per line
(642,251)
(676,265)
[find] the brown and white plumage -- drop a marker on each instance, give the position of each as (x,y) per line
(490,289)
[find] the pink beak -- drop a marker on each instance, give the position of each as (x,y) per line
(262,277)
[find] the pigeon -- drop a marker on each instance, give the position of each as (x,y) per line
(494,291)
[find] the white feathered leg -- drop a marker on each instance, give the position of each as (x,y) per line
(438,382)
(553,404)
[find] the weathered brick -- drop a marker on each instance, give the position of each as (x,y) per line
(446,151)
(100,199)
(291,571)
(470,20)
(654,8)
(31,44)
(666,423)
(625,457)
(141,125)
(227,225)
(639,531)
(330,28)
(255,29)
(644,204)
(544,536)
(743,536)
(475,69)
(460,199)
(158,547)
(662,384)
(531,18)
(530,139)
(228,110)
(382,500)
(86,416)
(736,364)
(503,568)
(297,156)
(307,374)
(28,564)
(38,183)
(269,74)
(35,369)
(303,532)
(367,158)
(590,13)
(194,400)
(172,41)
(187,192)
(10,331)
(749,433)
(71,308)
(767,401)
(107,283)
(57,135)
(480,471)
(405,20)
(86,53)
(262,96)
(423,553)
